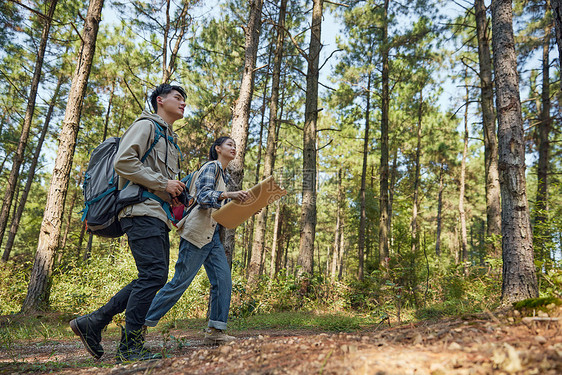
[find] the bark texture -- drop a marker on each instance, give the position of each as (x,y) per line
(384,169)
(519,278)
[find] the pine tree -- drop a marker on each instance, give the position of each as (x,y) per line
(308,214)
(493,210)
(519,278)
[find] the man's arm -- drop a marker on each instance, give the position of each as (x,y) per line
(132,147)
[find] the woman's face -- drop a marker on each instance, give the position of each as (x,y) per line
(227,149)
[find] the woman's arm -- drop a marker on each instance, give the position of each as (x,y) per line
(206,195)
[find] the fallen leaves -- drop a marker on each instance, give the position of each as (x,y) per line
(478,345)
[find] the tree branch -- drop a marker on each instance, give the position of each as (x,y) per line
(328,58)
(326,145)
(30,9)
(132,93)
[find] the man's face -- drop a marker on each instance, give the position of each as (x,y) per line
(172,105)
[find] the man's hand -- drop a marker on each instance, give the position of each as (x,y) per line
(174,187)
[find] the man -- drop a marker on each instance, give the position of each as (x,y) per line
(146,223)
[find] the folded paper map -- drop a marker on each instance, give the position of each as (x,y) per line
(235,212)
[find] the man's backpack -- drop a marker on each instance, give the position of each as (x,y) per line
(101,192)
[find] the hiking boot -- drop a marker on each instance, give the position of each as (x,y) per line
(131,348)
(88,328)
(215,336)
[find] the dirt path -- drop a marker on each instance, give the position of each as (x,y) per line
(473,345)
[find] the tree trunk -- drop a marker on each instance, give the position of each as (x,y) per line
(275,248)
(270,153)
(88,253)
(541,232)
(384,170)
(493,209)
(308,216)
(415,206)
(393,177)
(342,250)
(455,247)
(80,241)
(256,241)
(181,22)
(40,281)
(556,6)
(108,112)
(69,220)
(241,112)
(439,211)
(363,209)
(31,174)
(4,160)
(519,278)
(27,122)
(462,184)
(165,34)
(337,234)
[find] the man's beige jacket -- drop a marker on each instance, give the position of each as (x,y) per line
(155,172)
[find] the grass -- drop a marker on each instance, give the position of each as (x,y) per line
(302,321)
(20,334)
(39,329)
(47,328)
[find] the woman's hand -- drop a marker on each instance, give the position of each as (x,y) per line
(240,195)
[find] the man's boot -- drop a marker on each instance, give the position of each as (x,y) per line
(88,328)
(131,348)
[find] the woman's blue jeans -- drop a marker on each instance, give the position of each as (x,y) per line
(190,259)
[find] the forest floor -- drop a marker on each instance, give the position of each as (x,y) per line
(500,342)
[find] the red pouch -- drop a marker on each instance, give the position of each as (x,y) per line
(177,212)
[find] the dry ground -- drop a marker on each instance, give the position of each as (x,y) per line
(499,343)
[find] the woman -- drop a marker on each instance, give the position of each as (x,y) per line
(200,245)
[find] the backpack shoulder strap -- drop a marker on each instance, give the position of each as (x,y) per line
(191,188)
(160,133)
(198,173)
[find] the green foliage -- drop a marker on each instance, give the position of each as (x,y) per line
(14,276)
(304,320)
(541,303)
(553,284)
(82,288)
